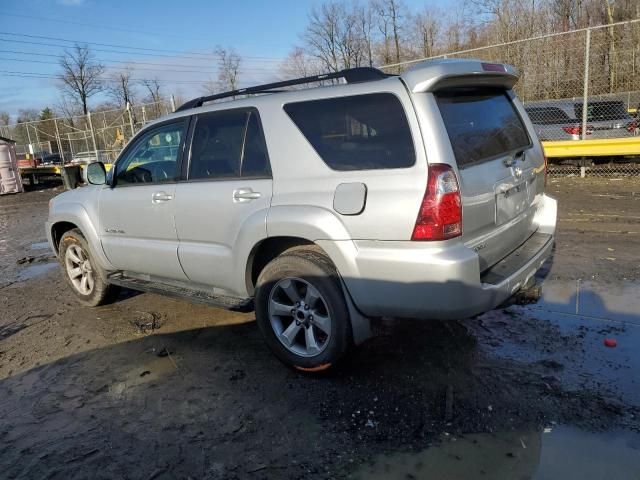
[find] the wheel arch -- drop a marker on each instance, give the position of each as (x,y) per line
(58,229)
(74,215)
(269,248)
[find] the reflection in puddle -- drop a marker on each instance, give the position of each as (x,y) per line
(568,326)
(616,302)
(35,270)
(39,245)
(564,452)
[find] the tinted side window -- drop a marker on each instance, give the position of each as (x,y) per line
(547,115)
(356,133)
(228,145)
(481,124)
(153,158)
(217,145)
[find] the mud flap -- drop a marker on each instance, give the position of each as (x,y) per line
(360,325)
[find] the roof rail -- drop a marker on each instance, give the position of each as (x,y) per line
(351,75)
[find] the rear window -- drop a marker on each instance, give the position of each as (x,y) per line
(603,111)
(363,132)
(547,115)
(481,124)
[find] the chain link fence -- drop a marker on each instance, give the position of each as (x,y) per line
(611,170)
(577,85)
(583,84)
(83,138)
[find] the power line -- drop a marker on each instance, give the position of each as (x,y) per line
(125,62)
(241,70)
(115,51)
(127,46)
(12,73)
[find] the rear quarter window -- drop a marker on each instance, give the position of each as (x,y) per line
(603,111)
(547,115)
(362,132)
(481,124)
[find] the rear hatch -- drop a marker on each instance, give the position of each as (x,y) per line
(501,172)
(474,123)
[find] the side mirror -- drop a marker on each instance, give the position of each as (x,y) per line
(96,173)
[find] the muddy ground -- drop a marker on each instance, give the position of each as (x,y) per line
(151,387)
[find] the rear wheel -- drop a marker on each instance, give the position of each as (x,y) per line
(86,279)
(301,310)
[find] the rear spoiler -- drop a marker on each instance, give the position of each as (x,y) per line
(450,73)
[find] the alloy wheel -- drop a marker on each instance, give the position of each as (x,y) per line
(299,317)
(79,269)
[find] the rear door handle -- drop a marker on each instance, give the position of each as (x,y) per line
(245,195)
(160,197)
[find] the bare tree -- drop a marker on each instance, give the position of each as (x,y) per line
(365,22)
(5,118)
(299,64)
(339,37)
(122,89)
(391,15)
(321,35)
(425,31)
(81,75)
(228,71)
(154,89)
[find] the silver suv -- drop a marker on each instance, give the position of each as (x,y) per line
(417,196)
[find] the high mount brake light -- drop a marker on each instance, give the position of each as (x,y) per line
(493,67)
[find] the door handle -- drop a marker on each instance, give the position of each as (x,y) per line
(245,195)
(159,197)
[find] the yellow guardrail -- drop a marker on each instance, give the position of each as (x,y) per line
(606,147)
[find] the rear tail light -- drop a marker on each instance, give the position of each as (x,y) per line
(632,126)
(577,129)
(440,215)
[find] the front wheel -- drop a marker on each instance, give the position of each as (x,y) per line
(83,275)
(301,311)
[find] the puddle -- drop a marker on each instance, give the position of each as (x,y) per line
(564,452)
(618,302)
(39,246)
(35,270)
(568,326)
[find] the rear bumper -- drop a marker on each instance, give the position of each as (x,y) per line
(419,280)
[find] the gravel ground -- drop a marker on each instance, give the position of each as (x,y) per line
(151,387)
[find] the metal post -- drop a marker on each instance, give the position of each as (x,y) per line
(173,103)
(133,132)
(29,138)
(144,115)
(35,129)
(70,144)
(59,140)
(585,90)
(104,131)
(93,135)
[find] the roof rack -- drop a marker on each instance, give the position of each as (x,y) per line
(351,75)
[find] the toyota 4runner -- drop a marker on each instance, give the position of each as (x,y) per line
(418,195)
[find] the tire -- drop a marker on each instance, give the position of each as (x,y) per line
(86,279)
(308,278)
